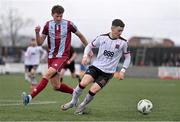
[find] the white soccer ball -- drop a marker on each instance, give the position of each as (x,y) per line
(144,106)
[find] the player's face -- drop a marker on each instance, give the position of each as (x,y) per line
(33,43)
(57,17)
(117,31)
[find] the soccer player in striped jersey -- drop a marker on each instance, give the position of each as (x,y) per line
(111,48)
(58,32)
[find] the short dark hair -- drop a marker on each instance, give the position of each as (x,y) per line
(57,9)
(118,22)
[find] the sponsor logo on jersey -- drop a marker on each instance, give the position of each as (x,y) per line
(108,53)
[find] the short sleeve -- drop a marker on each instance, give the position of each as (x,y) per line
(45,29)
(73,27)
(96,42)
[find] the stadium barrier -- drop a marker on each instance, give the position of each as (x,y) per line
(169,72)
(133,71)
(142,71)
(12,68)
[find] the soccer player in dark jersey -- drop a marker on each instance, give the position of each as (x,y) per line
(70,64)
(58,34)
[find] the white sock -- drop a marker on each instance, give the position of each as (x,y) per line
(30,97)
(87,99)
(76,93)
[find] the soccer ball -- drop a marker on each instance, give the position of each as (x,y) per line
(144,106)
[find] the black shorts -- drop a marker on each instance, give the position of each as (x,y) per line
(28,68)
(70,66)
(100,77)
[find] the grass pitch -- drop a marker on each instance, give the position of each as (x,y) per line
(116,102)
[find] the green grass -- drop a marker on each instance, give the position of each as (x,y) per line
(117,101)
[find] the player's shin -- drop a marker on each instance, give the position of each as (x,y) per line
(89,97)
(77,92)
(42,84)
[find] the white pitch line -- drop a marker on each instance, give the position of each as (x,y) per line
(33,103)
(12,101)
(17,101)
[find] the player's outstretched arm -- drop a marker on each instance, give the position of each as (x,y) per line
(82,38)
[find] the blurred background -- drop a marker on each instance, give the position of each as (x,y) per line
(152,30)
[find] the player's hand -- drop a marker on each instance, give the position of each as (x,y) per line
(84,60)
(91,54)
(68,62)
(37,29)
(121,75)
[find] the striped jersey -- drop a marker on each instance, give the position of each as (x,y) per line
(59,37)
(110,52)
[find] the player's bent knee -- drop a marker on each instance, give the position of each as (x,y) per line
(95,88)
(55,87)
(83,84)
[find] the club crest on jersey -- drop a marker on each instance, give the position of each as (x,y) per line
(104,43)
(117,46)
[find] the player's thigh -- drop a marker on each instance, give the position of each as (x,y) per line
(87,79)
(57,63)
(95,88)
(51,71)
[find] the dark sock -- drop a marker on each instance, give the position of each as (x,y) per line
(65,88)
